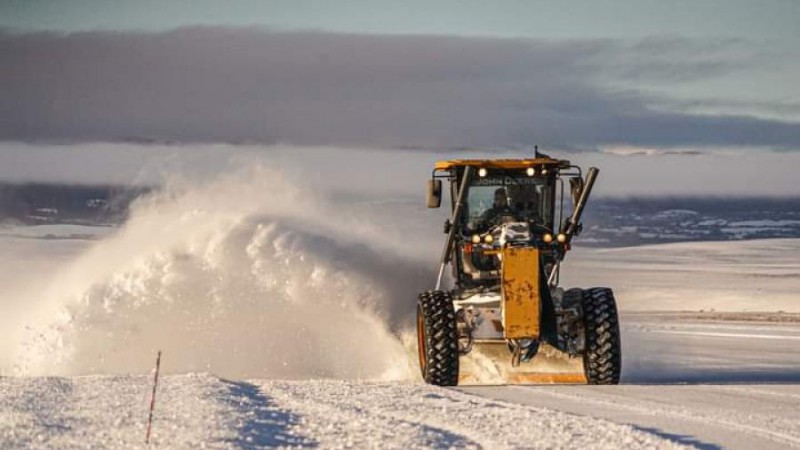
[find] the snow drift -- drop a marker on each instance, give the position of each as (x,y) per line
(244,276)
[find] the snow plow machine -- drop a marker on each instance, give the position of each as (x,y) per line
(506,320)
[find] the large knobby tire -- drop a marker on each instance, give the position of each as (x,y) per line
(437,338)
(602,359)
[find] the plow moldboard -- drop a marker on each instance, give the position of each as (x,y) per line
(490,363)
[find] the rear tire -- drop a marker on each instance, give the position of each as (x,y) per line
(437,338)
(602,359)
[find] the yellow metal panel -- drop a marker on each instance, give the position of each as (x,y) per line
(520,289)
(501,163)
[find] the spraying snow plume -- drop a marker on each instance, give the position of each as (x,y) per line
(246,276)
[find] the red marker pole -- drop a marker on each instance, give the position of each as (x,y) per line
(153,398)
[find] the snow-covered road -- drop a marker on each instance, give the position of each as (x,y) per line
(709,384)
(686,348)
(704,416)
(687,381)
(203,411)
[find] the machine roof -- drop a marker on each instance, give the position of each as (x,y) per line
(501,163)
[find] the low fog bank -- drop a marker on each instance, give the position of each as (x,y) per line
(383,172)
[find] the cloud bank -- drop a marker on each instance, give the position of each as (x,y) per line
(212,84)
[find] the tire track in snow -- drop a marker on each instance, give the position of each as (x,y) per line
(403,415)
(689,410)
(260,422)
(781,392)
(334,413)
(730,335)
(191,411)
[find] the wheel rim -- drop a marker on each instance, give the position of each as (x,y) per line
(421,349)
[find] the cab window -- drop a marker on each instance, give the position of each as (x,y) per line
(525,199)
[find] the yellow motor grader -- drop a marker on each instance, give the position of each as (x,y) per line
(505,319)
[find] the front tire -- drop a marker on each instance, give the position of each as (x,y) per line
(437,338)
(602,359)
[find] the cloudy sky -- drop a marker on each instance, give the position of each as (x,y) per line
(689,75)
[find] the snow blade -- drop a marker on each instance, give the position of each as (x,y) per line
(489,363)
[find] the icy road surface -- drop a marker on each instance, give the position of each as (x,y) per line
(708,384)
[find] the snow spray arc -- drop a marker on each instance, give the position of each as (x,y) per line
(246,276)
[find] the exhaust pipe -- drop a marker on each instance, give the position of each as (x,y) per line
(573,225)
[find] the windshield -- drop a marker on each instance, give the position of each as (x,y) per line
(500,198)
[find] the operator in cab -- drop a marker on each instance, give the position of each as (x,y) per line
(500,212)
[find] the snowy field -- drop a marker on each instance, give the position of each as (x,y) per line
(282,330)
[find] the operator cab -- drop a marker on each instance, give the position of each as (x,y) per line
(505,203)
(498,203)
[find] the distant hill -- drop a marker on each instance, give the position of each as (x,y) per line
(637,221)
(37,203)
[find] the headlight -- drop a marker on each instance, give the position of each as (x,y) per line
(482,172)
(547,238)
(561,238)
(531,171)
(476,239)
(489,239)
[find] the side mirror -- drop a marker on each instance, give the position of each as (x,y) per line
(575,189)
(434,193)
